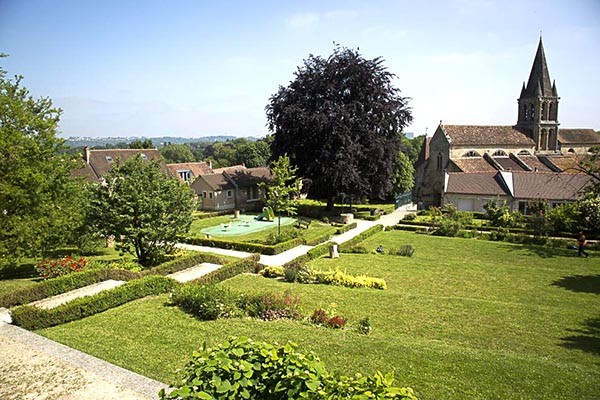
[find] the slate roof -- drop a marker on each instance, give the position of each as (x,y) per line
(217,181)
(473,164)
(486,135)
(539,79)
(508,164)
(578,136)
(550,186)
(479,183)
(101,161)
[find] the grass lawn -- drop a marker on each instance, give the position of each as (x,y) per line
(462,318)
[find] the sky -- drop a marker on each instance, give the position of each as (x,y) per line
(201,68)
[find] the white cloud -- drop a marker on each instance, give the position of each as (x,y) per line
(303,20)
(307,20)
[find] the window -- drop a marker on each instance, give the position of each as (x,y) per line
(526,112)
(551,112)
(439,161)
(252,193)
(471,153)
(229,194)
(499,153)
(109,159)
(544,116)
(523,207)
(204,194)
(532,112)
(210,195)
(184,175)
(571,151)
(524,153)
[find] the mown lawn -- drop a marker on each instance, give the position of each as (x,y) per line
(462,318)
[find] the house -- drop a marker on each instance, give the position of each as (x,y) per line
(232,188)
(97,162)
(188,172)
(534,159)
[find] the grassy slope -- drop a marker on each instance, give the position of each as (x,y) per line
(461,319)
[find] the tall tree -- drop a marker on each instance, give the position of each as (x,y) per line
(339,121)
(403,178)
(39,201)
(177,153)
(141,144)
(142,207)
(283,190)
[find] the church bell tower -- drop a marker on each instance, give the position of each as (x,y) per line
(538,106)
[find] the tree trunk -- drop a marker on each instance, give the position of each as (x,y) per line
(278,226)
(329,206)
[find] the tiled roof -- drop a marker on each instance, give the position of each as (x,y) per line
(480,135)
(251,176)
(101,161)
(85,171)
(535,163)
(508,164)
(230,170)
(551,186)
(197,168)
(567,163)
(578,136)
(475,183)
(217,181)
(473,164)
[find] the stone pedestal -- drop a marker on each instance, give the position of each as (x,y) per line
(236,214)
(347,218)
(333,251)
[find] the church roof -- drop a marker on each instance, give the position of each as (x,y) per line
(483,183)
(473,164)
(551,186)
(577,136)
(486,135)
(539,79)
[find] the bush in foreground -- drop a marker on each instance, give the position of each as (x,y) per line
(241,368)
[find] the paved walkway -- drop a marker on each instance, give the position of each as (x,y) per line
(90,290)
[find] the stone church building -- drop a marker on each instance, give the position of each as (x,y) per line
(467,165)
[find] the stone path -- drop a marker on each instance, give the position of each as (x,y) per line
(195,272)
(90,290)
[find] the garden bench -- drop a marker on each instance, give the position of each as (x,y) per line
(303,223)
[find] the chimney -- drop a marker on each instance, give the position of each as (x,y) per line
(86,154)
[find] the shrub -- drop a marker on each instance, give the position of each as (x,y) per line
(336,322)
(319,250)
(243,369)
(49,268)
(296,272)
(340,278)
(271,306)
(205,302)
(319,317)
(345,247)
(230,270)
(406,250)
(358,250)
(273,272)
(33,318)
(364,326)
(410,217)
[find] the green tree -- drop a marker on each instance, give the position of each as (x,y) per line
(40,202)
(141,144)
(143,208)
(340,121)
(177,153)
(403,179)
(283,189)
(412,147)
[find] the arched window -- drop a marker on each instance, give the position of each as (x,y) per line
(544,116)
(439,161)
(525,112)
(471,153)
(544,140)
(571,151)
(499,153)
(532,112)
(551,112)
(524,153)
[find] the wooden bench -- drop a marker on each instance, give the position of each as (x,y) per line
(303,223)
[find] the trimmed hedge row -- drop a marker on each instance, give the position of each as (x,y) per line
(32,318)
(318,240)
(319,250)
(345,228)
(230,270)
(205,215)
(360,237)
(62,284)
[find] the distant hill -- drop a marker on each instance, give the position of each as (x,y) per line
(157,141)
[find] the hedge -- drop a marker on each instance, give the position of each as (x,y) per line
(181,263)
(245,246)
(32,318)
(230,270)
(360,237)
(345,228)
(63,284)
(318,240)
(319,250)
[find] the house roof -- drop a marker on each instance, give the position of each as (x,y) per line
(101,161)
(473,164)
(230,170)
(508,164)
(487,135)
(481,183)
(535,164)
(578,136)
(567,163)
(217,181)
(251,176)
(197,168)
(548,185)
(85,171)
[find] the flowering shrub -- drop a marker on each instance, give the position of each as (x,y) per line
(49,268)
(340,278)
(206,302)
(329,319)
(271,306)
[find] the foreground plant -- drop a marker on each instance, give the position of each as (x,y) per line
(49,268)
(241,368)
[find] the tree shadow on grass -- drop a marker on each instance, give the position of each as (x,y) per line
(580,283)
(543,251)
(586,339)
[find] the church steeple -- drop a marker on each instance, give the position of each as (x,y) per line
(538,105)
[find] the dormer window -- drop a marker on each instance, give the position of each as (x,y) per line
(499,153)
(109,159)
(471,153)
